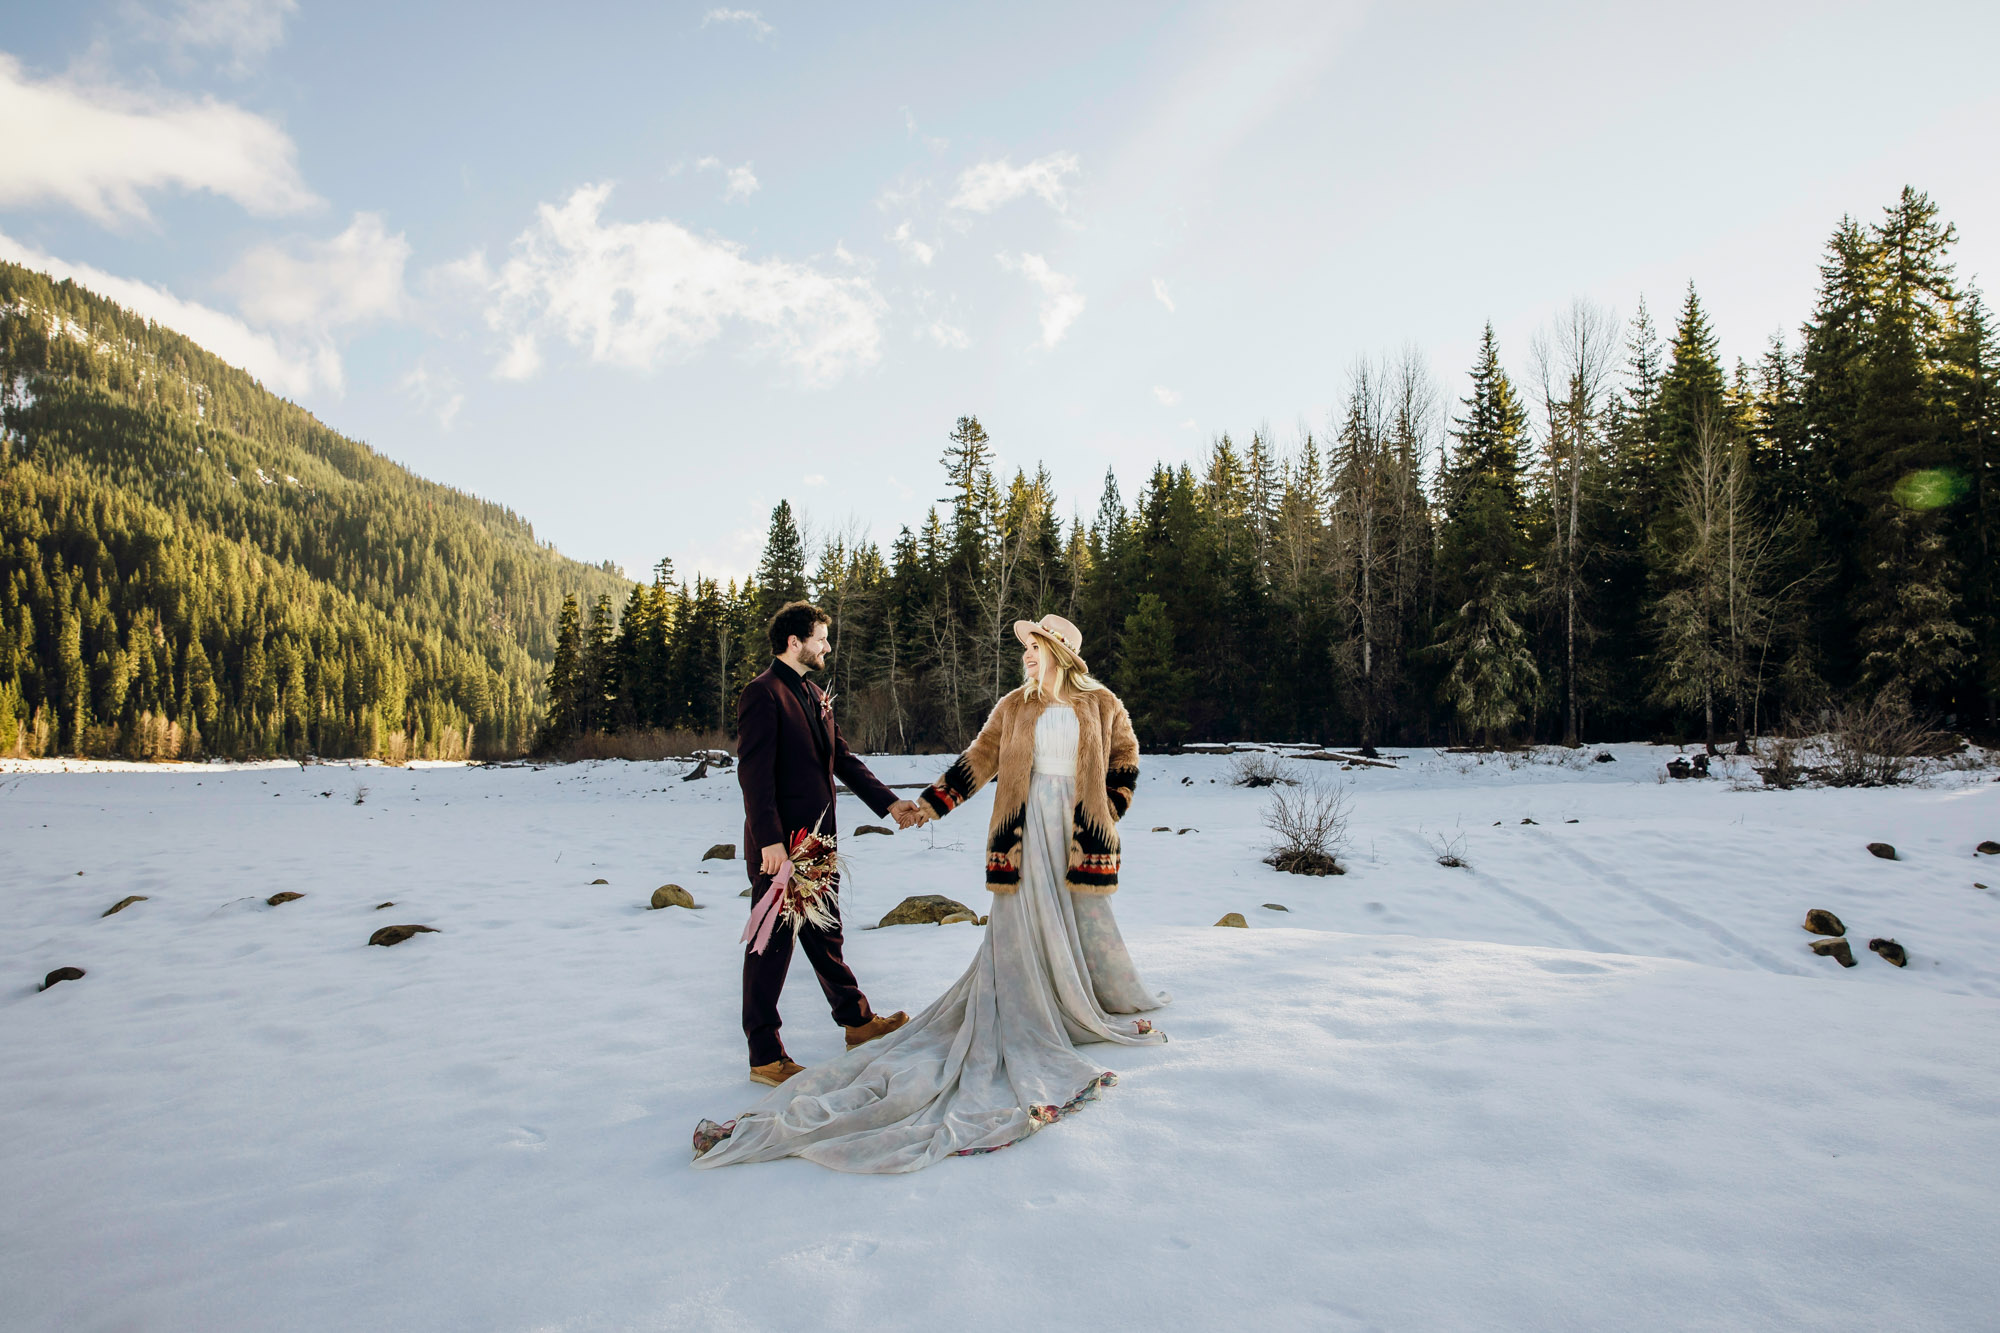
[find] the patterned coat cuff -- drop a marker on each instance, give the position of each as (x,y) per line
(1119,784)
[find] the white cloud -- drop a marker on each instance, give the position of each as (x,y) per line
(355,277)
(286,368)
(748,17)
(911,246)
(1166,396)
(1162,295)
(985,187)
(100,149)
(246,29)
(1061,302)
(740,182)
(947,335)
(634,293)
(436,394)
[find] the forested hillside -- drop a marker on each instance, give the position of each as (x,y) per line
(1623,537)
(190,565)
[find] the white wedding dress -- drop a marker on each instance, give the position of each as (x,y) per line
(994,1058)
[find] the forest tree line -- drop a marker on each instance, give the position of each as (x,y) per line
(1629,539)
(191,566)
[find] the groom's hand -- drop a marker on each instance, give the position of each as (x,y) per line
(906,813)
(774,859)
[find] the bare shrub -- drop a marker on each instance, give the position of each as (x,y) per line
(1257,769)
(360,794)
(1450,851)
(1876,742)
(1310,827)
(649,744)
(1782,767)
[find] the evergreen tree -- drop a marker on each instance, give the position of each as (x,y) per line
(781,574)
(1491,680)
(1154,690)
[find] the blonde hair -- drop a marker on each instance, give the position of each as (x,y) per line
(1070,674)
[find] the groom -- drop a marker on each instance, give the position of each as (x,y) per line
(788,753)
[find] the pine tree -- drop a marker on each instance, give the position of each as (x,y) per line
(1153,689)
(1491,680)
(564,719)
(781,574)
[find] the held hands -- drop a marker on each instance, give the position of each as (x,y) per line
(909,814)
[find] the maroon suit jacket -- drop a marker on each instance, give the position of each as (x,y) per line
(786,763)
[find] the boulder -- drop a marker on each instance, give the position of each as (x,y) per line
(1276,907)
(1989,848)
(380,906)
(1179,831)
(1234,919)
(1679,768)
(671,895)
(1163,828)
(1891,952)
(596,882)
(1837,949)
(124,903)
(924,910)
(722,851)
(744,894)
(389,935)
(1604,757)
(1883,850)
(280,899)
(1821,922)
(61,974)
(872,828)
(956,917)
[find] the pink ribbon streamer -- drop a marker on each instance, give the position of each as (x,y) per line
(764,916)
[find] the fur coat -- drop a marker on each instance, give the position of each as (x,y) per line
(1107,770)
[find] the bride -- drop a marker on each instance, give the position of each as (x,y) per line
(994,1058)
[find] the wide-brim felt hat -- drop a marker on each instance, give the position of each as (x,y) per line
(1052,627)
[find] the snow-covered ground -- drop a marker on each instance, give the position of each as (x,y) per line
(1595,1080)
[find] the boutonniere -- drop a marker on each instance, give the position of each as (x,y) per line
(825,704)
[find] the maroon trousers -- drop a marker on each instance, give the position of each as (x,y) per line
(764,979)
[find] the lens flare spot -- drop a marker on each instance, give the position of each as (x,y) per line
(1930,488)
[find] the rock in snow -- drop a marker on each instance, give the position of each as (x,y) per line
(1891,952)
(389,935)
(722,851)
(1233,919)
(925,910)
(124,903)
(1837,949)
(671,895)
(1883,850)
(1821,922)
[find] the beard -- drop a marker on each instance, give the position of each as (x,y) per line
(814,661)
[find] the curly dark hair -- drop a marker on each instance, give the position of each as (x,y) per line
(795,618)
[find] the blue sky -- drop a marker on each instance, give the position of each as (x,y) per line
(641,271)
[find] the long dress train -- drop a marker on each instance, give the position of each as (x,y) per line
(992,1059)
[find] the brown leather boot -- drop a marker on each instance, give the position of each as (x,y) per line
(876,1026)
(776,1072)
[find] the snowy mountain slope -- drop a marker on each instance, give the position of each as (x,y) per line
(1596,1080)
